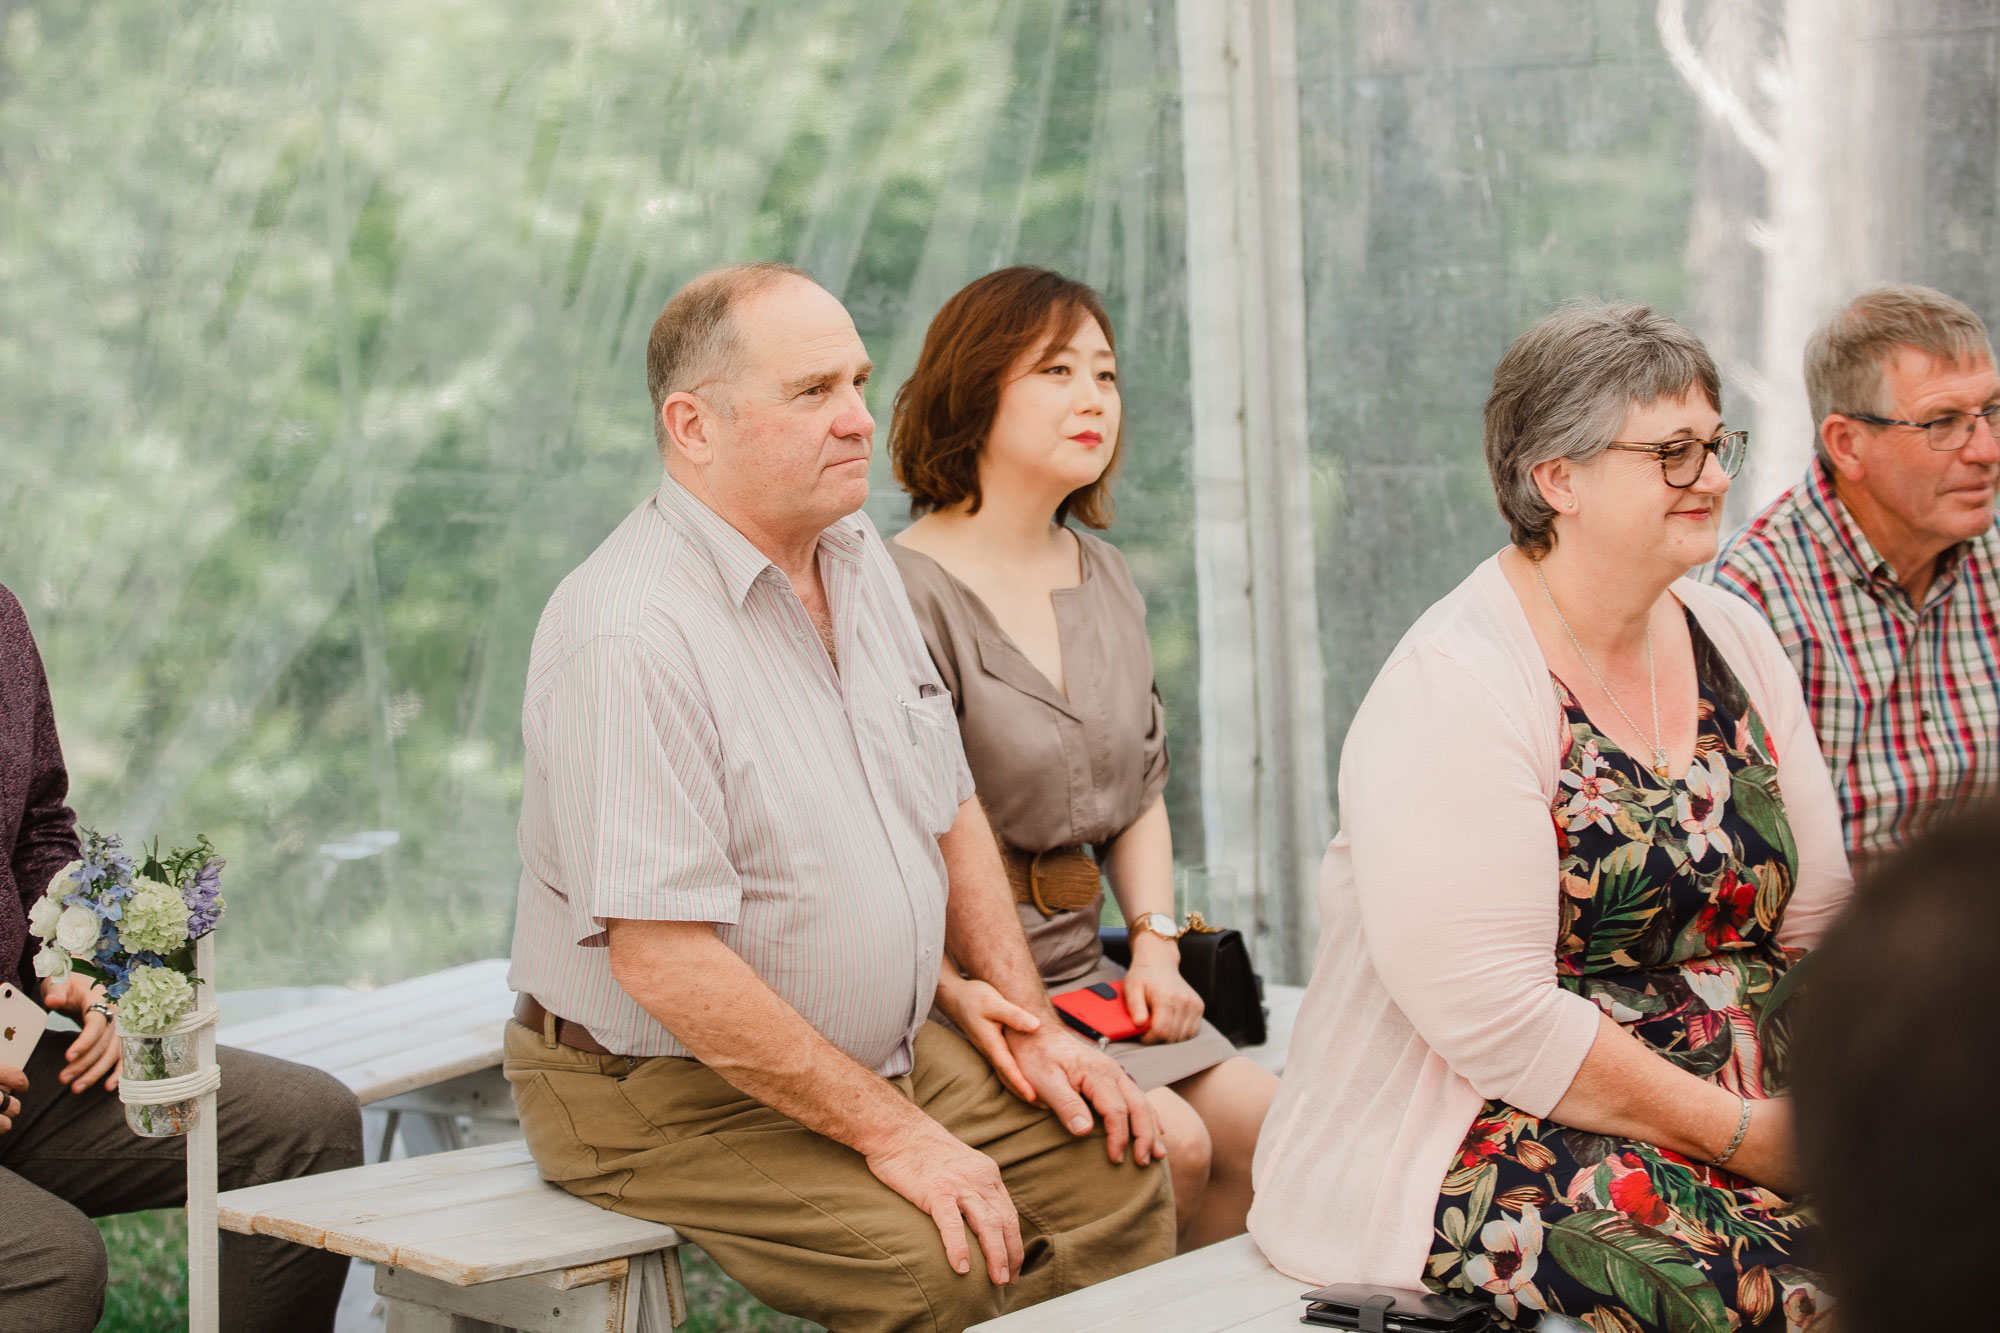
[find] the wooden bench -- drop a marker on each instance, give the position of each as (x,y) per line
(475,1239)
(1228,1286)
(424,1052)
(474,1234)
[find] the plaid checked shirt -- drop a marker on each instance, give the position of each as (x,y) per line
(1906,699)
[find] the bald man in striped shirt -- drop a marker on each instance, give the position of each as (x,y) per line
(748,835)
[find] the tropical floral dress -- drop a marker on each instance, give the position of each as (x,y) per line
(1671,897)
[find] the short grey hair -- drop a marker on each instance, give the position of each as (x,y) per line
(1562,391)
(694,339)
(1845,356)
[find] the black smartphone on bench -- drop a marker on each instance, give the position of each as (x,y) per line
(1371,1309)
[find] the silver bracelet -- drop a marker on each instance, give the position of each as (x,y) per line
(1742,1128)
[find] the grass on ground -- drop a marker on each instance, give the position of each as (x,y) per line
(148,1288)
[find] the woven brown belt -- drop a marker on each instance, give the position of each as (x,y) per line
(1064,879)
(528,1012)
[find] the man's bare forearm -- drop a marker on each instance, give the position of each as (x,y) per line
(717,1006)
(982,930)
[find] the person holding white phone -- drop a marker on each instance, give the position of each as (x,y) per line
(66,1155)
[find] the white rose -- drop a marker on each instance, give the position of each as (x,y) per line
(52,964)
(77,930)
(42,917)
(61,883)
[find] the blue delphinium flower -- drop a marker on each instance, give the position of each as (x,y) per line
(118,975)
(203,893)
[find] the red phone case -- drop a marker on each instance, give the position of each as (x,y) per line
(1099,1011)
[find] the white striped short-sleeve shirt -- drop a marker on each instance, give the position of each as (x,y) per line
(692,755)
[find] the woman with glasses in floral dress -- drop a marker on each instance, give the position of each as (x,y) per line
(1585,828)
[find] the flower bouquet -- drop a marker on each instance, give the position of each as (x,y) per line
(133,927)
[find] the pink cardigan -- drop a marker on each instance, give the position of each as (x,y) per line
(1434,987)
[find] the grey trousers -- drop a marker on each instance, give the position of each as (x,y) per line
(70,1158)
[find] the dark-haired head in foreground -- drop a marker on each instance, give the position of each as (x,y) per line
(1899,1081)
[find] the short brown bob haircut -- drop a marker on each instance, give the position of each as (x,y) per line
(945,409)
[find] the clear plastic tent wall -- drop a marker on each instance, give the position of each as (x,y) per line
(1744,165)
(322,339)
(322,331)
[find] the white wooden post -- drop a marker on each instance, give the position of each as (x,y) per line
(204,1259)
(1265,812)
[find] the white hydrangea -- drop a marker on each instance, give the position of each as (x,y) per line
(156,1000)
(156,917)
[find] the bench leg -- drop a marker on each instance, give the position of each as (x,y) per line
(390,1120)
(662,1303)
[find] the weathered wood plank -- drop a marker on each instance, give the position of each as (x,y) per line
(487,1195)
(238,1209)
(526,1306)
(1204,1291)
(304,1029)
(477,1215)
(518,1256)
(568,1279)
(454,1236)
(376,1077)
(662,1292)
(344,1030)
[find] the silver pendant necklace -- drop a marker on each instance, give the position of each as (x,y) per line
(1659,750)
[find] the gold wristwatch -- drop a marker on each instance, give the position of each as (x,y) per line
(1158,923)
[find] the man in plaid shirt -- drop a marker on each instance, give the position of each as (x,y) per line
(1880,571)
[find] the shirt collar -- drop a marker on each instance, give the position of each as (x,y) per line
(740,563)
(1829,520)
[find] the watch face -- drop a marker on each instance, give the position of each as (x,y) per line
(1159,923)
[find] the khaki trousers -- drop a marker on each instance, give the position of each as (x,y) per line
(799,1220)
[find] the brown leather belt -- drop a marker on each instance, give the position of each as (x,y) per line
(528,1012)
(1063,879)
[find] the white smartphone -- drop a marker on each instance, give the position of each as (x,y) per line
(21,1025)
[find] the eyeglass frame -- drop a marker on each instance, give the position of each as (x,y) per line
(1713,449)
(1984,414)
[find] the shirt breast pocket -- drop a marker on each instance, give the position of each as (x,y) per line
(933,732)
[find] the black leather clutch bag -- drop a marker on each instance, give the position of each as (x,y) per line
(1393,1310)
(1217,964)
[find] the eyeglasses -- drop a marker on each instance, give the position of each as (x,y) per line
(1682,461)
(1951,431)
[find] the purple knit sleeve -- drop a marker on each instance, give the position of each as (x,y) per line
(43,824)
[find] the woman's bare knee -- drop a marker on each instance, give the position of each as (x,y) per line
(1190,1152)
(1231,1099)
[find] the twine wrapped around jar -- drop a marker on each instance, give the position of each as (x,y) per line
(161,1076)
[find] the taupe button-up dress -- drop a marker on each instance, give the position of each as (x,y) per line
(1061,771)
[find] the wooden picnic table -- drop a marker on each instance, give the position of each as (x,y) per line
(424,1051)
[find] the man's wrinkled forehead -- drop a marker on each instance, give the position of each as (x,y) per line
(1921,375)
(795,333)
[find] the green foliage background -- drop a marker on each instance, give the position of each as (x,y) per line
(321,348)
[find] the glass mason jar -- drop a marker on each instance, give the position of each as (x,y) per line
(145,1058)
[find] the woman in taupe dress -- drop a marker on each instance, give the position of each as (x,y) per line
(1007,428)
